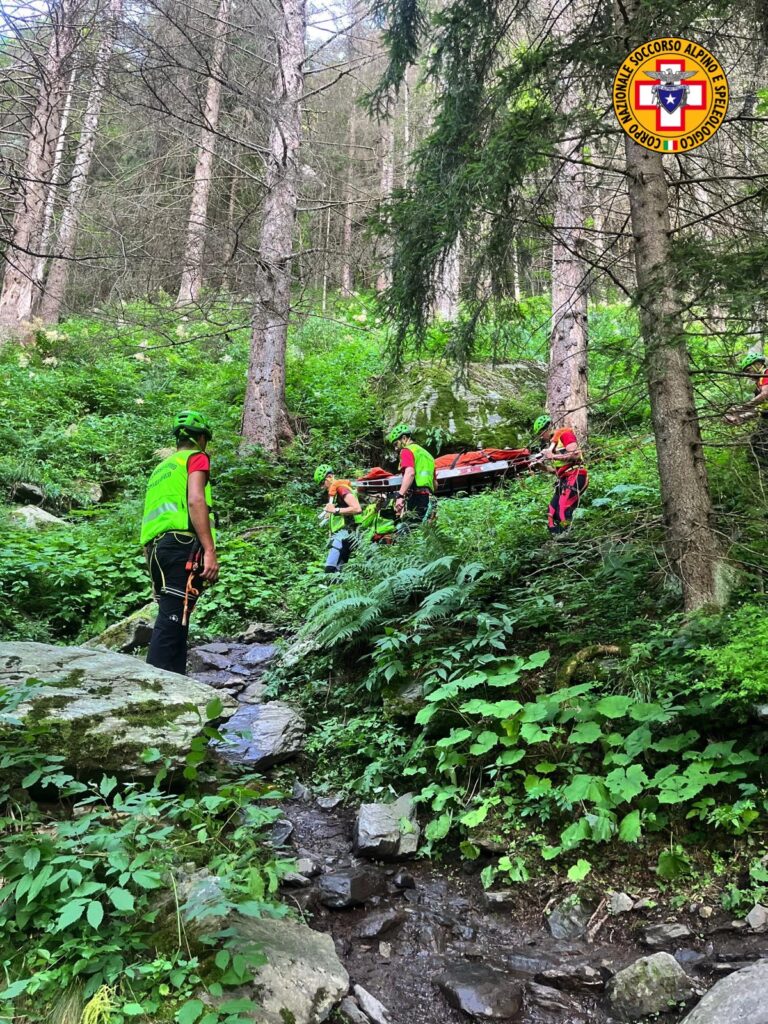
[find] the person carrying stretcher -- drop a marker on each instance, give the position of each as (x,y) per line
(416,502)
(563,457)
(344,512)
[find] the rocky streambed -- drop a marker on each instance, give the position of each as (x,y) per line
(380,936)
(423,943)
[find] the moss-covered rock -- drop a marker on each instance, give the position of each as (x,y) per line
(100,710)
(492,408)
(130,633)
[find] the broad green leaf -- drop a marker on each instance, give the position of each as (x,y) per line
(537,712)
(625,784)
(31,858)
(533,733)
(673,744)
(132,1009)
(426,713)
(510,757)
(438,828)
(649,713)
(189,1012)
(214,708)
(469,850)
(95,914)
(484,742)
(15,989)
(630,827)
(455,737)
(579,871)
(550,852)
(638,741)
(475,816)
(121,899)
(586,732)
(672,864)
(615,706)
(537,660)
(107,784)
(72,912)
(492,709)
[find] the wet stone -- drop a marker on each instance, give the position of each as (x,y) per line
(404,880)
(350,888)
(281,832)
(387,831)
(757,918)
(741,998)
(350,1013)
(689,956)
(375,1011)
(253,693)
(569,919)
(482,992)
(657,936)
(379,923)
(551,1000)
(652,984)
(572,978)
(261,735)
(620,903)
(498,899)
(258,654)
(328,803)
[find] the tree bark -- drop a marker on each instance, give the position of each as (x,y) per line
(56,283)
(386,182)
(692,545)
(447,284)
(50,202)
(567,396)
(19,290)
(347,281)
(265,420)
(194,250)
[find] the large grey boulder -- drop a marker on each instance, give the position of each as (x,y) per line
(100,710)
(741,998)
(491,407)
(387,831)
(303,978)
(652,984)
(350,887)
(261,735)
(129,633)
(30,517)
(659,936)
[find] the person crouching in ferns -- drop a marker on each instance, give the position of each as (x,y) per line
(343,511)
(563,457)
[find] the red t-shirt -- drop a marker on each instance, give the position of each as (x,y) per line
(761,384)
(560,441)
(342,491)
(199,463)
(407,459)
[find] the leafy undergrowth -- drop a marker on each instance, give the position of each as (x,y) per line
(94,912)
(546,697)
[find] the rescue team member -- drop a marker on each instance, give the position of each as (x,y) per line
(178,537)
(344,512)
(563,457)
(755,367)
(416,500)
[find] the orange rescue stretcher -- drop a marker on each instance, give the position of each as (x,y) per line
(463,472)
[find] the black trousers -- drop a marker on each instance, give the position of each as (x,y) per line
(167,557)
(420,507)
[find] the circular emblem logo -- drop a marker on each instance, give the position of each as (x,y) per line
(670,95)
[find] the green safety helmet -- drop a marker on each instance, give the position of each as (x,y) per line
(398,431)
(541,423)
(750,359)
(191,423)
(322,472)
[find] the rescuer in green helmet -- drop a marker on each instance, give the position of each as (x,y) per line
(343,513)
(755,368)
(177,532)
(416,501)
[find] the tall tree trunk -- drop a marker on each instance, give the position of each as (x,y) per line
(567,378)
(386,182)
(56,284)
(347,282)
(447,284)
(19,289)
(692,545)
(50,202)
(194,250)
(265,420)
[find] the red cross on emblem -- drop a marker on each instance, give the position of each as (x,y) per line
(670,121)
